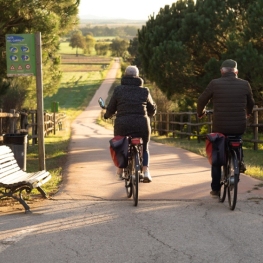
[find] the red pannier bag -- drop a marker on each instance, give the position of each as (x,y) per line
(215,148)
(119,150)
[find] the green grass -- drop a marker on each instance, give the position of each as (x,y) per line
(66,49)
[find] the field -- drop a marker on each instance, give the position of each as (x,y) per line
(81,63)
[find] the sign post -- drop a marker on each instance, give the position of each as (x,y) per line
(24,58)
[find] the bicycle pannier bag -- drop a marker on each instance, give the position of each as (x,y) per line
(215,148)
(119,151)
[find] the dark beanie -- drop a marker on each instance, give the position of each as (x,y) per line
(229,63)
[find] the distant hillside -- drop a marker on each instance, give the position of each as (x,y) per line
(92,22)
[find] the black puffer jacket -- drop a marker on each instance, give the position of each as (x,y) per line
(232,101)
(133,104)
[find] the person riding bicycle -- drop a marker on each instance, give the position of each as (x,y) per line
(134,105)
(233,103)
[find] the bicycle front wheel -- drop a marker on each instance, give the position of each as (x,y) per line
(233,176)
(135,180)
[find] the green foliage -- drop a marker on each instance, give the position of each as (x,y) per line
(182,48)
(77,41)
(102,48)
(90,44)
(102,31)
(119,46)
(53,19)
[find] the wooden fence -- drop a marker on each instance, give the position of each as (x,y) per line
(187,125)
(26,122)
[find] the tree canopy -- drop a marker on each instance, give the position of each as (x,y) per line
(77,40)
(182,48)
(52,18)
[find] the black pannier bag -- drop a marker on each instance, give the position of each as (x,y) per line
(119,150)
(215,148)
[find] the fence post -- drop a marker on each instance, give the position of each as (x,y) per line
(189,128)
(1,123)
(160,124)
(167,124)
(255,113)
(181,125)
(12,122)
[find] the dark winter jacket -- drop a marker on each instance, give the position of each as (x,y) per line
(232,101)
(133,104)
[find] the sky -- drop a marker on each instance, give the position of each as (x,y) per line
(127,9)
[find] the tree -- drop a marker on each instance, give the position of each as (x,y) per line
(182,48)
(102,48)
(77,41)
(53,19)
(119,46)
(90,44)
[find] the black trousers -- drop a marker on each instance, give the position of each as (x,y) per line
(216,173)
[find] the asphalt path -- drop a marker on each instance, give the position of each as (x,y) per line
(90,219)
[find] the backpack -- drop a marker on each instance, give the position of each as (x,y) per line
(119,150)
(215,148)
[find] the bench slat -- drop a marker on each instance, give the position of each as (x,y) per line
(5,149)
(11,170)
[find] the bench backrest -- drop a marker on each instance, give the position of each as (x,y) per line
(8,163)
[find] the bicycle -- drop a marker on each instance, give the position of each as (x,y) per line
(231,169)
(133,171)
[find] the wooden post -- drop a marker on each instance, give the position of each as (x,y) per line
(1,123)
(189,128)
(167,124)
(40,111)
(12,122)
(181,125)
(255,129)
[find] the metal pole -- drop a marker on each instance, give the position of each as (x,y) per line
(40,111)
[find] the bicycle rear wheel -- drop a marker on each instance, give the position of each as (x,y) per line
(223,183)
(232,180)
(135,180)
(128,185)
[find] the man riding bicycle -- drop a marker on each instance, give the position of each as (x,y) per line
(233,102)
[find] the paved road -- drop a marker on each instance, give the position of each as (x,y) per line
(91,220)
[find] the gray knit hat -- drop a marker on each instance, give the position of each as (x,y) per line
(229,63)
(132,71)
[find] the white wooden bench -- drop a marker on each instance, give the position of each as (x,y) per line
(13,180)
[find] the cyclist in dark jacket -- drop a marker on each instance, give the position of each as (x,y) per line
(134,105)
(233,102)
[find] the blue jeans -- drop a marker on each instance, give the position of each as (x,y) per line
(146,155)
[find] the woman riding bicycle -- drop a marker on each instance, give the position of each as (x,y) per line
(134,105)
